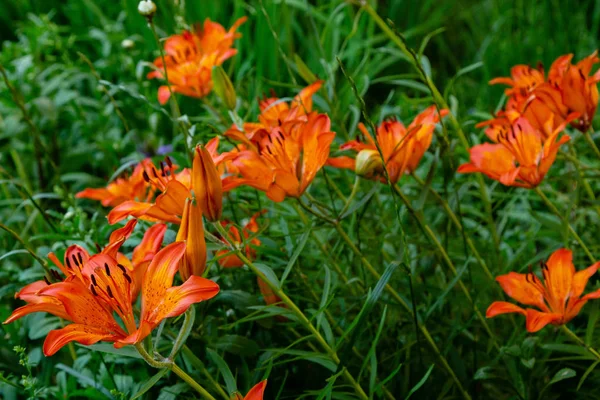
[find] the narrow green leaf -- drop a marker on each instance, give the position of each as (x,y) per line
(299,247)
(420,383)
(223,369)
(150,383)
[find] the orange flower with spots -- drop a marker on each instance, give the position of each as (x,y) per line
(566,90)
(121,189)
(520,156)
(99,286)
(402,148)
(175,188)
(190,57)
(282,161)
(558,297)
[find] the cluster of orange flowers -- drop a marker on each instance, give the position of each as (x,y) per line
(280,154)
(526,134)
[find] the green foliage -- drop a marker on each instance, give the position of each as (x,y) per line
(79,69)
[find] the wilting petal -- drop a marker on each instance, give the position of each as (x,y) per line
(257,392)
(536,320)
(503,307)
(83,334)
(522,288)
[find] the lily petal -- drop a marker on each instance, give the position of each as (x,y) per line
(83,334)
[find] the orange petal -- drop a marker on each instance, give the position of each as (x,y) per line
(49,305)
(179,298)
(257,392)
(559,276)
(118,237)
(163,94)
(191,231)
(580,279)
(518,287)
(536,320)
(342,162)
(502,307)
(126,209)
(171,201)
(207,186)
(83,334)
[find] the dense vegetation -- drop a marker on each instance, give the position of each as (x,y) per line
(369,289)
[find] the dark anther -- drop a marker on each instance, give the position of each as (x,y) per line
(169,162)
(93,290)
(109,292)
(98,247)
(80,258)
(278,121)
(146,177)
(154,172)
(74,259)
(527,277)
(68,263)
(94,280)
(107,269)
(127,277)
(581,74)
(55,274)
(272,91)
(46,280)
(162,168)
(122,268)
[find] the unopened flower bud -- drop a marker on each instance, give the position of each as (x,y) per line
(223,87)
(127,44)
(368,163)
(191,231)
(147,8)
(207,186)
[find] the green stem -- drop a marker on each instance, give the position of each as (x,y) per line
(580,342)
(294,309)
(590,141)
(429,232)
(555,210)
(403,303)
(441,102)
(202,368)
(184,331)
(170,364)
(20,240)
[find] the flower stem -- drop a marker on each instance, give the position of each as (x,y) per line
(296,310)
(576,338)
(441,102)
(555,210)
(170,364)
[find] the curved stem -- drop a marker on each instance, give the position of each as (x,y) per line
(296,310)
(580,342)
(556,212)
(170,364)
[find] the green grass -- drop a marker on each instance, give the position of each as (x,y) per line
(84,143)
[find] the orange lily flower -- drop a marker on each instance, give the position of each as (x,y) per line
(558,296)
(226,259)
(275,112)
(282,161)
(121,189)
(190,57)
(175,189)
(520,155)
(402,148)
(206,181)
(567,89)
(98,286)
(256,393)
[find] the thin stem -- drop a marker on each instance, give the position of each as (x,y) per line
(184,331)
(296,310)
(588,138)
(555,210)
(580,342)
(352,195)
(170,364)
(20,240)
(200,365)
(441,102)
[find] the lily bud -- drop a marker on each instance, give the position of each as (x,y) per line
(207,186)
(223,87)
(147,8)
(368,163)
(191,231)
